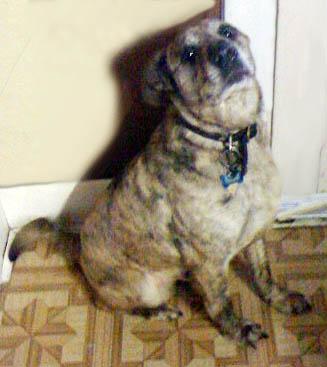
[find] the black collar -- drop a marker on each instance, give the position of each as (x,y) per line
(247,133)
(235,152)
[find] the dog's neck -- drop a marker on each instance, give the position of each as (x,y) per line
(232,145)
(206,134)
(194,121)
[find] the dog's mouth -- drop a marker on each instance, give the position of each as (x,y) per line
(236,81)
(236,76)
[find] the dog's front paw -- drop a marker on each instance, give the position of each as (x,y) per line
(298,303)
(169,314)
(163,312)
(250,334)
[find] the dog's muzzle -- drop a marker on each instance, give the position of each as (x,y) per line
(226,58)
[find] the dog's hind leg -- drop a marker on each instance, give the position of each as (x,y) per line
(212,285)
(253,266)
(146,294)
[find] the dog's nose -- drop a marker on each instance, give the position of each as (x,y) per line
(224,56)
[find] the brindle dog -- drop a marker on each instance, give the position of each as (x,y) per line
(203,191)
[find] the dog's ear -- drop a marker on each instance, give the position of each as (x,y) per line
(157,80)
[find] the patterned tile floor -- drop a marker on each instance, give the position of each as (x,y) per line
(47,318)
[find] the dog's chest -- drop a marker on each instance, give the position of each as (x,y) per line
(207,211)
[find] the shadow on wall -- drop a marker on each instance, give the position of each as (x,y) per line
(137,119)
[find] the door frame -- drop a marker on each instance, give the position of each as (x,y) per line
(259,20)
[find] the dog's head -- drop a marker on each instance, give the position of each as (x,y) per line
(209,72)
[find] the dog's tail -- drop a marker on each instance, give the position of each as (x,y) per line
(42,231)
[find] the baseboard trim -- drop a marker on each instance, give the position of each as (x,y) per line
(305,210)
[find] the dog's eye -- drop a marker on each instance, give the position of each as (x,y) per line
(189,55)
(228,31)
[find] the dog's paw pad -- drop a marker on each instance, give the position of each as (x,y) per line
(299,303)
(251,334)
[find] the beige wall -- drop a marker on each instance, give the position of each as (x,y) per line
(58,103)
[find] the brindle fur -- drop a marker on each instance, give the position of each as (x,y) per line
(168,213)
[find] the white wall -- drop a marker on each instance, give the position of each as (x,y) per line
(257,19)
(299,140)
(300,118)
(58,100)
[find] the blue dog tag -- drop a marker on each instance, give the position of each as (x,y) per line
(231,178)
